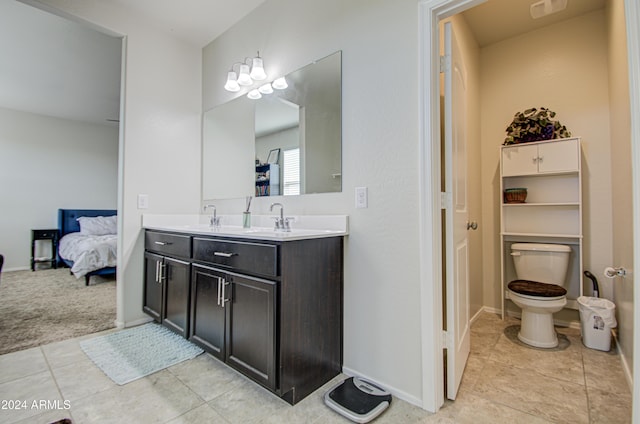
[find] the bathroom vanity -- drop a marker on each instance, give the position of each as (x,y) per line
(268,305)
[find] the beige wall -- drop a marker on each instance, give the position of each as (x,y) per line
(622,207)
(562,67)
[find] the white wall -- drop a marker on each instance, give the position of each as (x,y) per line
(380,151)
(160,143)
(621,188)
(562,67)
(46,164)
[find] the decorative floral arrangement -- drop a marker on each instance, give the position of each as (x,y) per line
(535,125)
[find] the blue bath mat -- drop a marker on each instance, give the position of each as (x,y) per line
(130,354)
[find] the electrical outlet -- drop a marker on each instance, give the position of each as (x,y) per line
(143,201)
(361,198)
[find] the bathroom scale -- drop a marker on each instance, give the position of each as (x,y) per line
(357,399)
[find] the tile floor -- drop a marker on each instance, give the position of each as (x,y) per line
(504,382)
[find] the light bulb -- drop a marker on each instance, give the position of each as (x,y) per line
(257,70)
(280,84)
(254,94)
(265,89)
(232,83)
(244,78)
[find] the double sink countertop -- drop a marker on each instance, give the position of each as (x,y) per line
(262,228)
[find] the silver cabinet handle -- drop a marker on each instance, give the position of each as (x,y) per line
(157,271)
(162,243)
(224,254)
(219,282)
(224,300)
(163,272)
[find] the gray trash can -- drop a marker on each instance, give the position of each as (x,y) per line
(597,318)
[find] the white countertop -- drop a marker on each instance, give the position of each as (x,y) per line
(302,227)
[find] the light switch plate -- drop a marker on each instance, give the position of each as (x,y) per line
(362,200)
(143,201)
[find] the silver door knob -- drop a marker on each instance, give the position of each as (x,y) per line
(472,225)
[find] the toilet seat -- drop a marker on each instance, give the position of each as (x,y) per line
(537,291)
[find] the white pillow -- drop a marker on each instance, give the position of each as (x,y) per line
(99,225)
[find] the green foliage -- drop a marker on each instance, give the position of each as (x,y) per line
(535,125)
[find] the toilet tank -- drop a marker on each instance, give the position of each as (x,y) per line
(545,263)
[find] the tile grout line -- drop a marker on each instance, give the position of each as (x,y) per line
(55,380)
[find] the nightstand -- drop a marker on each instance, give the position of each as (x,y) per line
(52,235)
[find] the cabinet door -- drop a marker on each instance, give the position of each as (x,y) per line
(519,160)
(559,156)
(251,330)
(152,286)
(176,277)
(207,326)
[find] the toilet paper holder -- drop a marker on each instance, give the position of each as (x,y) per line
(611,272)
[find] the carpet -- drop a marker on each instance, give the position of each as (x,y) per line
(130,354)
(50,305)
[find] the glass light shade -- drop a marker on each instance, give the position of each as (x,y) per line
(244,78)
(257,70)
(254,94)
(232,83)
(265,89)
(280,84)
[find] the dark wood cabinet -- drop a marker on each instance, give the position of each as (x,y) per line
(167,287)
(208,317)
(233,317)
(251,328)
(270,309)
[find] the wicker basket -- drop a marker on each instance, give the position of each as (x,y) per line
(515,195)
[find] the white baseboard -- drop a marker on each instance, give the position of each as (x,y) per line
(20,268)
(134,323)
(394,391)
(626,369)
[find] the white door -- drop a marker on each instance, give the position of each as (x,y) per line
(457,215)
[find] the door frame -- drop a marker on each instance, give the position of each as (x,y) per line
(431,12)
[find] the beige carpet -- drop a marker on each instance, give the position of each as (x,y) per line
(50,305)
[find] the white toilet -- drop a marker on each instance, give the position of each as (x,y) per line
(541,270)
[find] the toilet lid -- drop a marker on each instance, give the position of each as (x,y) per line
(534,288)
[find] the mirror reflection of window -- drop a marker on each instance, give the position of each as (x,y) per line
(291,172)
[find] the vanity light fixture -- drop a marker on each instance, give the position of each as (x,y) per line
(280,83)
(248,71)
(266,88)
(254,94)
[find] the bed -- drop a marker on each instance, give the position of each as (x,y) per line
(87,241)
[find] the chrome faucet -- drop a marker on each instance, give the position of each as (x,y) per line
(214,220)
(282,224)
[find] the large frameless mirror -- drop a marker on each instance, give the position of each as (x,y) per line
(288,142)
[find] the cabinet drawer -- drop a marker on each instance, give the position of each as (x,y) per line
(168,244)
(254,258)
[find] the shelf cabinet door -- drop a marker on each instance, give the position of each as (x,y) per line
(560,156)
(207,327)
(176,278)
(251,330)
(520,160)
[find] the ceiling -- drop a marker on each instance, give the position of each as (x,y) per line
(497,20)
(56,67)
(52,66)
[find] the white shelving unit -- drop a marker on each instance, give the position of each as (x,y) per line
(552,213)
